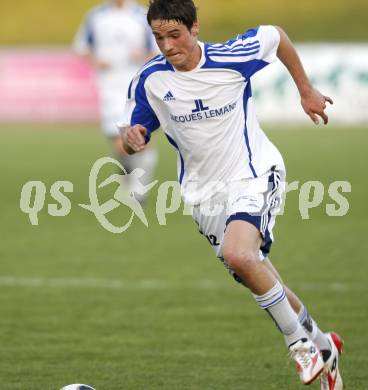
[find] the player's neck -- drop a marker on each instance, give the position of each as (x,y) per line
(193,61)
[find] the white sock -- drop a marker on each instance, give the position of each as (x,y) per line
(279,308)
(312,330)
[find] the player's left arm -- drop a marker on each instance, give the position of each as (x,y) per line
(312,101)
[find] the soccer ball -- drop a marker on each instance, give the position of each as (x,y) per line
(77,387)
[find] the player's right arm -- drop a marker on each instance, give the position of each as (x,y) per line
(133,138)
(312,101)
(266,43)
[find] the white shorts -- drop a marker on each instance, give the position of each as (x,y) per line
(256,200)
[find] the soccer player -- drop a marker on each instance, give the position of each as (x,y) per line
(116,39)
(229,171)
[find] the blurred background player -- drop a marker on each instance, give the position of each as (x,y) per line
(116,39)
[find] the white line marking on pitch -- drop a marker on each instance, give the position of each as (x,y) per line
(115,284)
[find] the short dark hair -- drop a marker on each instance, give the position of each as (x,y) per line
(182,11)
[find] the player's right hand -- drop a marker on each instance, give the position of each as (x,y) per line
(134,138)
(314,105)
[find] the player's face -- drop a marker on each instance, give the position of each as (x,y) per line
(177,43)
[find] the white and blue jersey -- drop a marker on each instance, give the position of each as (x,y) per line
(113,34)
(117,36)
(207,113)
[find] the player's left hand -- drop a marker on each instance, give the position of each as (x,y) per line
(314,105)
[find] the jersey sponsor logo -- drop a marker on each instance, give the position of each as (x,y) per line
(199,106)
(169,97)
(201,112)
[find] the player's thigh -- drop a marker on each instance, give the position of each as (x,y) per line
(243,214)
(241,239)
(214,224)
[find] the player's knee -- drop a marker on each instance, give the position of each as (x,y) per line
(240,261)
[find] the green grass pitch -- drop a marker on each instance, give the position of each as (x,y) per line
(152,308)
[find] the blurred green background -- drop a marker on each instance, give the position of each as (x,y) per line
(49,22)
(152,308)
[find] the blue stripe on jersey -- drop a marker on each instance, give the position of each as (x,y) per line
(158,58)
(130,90)
(236,48)
(246,69)
(143,113)
(182,169)
(89,23)
(251,33)
(247,95)
(230,54)
(234,45)
(216,53)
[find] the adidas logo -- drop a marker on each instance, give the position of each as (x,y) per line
(169,97)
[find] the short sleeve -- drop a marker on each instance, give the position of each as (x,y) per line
(264,42)
(247,53)
(138,109)
(269,40)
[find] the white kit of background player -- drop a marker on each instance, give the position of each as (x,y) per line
(115,37)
